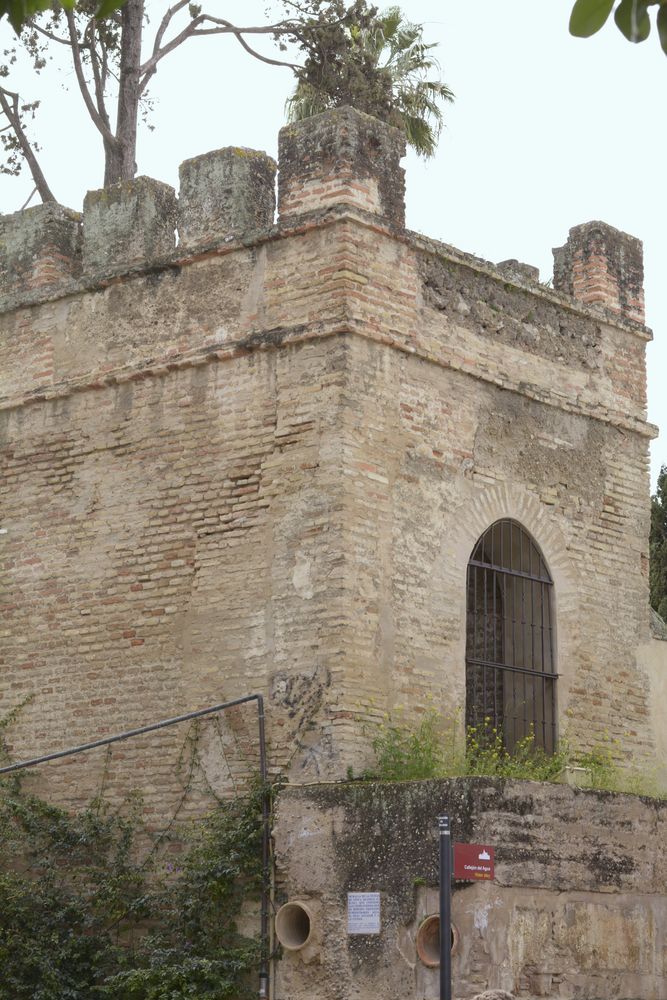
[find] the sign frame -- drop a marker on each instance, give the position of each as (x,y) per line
(474,863)
(364,913)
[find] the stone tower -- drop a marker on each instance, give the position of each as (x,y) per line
(260,459)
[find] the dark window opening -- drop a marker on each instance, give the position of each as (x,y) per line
(510,668)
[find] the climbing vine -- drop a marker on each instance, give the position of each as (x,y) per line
(93,905)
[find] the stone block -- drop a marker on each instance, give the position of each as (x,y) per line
(516,268)
(341,157)
(225,193)
(600,264)
(39,247)
(129,223)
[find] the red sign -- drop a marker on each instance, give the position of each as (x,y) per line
(473,862)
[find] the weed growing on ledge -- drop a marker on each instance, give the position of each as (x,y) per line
(486,754)
(432,748)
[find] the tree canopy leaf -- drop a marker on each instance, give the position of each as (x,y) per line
(588,16)
(662,27)
(107,7)
(379,64)
(632,18)
(20,11)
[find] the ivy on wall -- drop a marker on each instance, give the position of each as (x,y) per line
(92,907)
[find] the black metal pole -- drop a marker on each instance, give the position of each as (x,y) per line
(266,870)
(445,908)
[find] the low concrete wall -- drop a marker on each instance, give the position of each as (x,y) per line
(578,908)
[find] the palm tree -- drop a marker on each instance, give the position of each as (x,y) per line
(383,68)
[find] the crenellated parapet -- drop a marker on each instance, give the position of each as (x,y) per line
(128,224)
(341,157)
(602,265)
(229,192)
(339,161)
(225,195)
(40,248)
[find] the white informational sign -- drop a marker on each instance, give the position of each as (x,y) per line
(363,913)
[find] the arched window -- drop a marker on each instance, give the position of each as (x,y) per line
(510,668)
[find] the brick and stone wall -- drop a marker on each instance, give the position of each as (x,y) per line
(577,908)
(259,458)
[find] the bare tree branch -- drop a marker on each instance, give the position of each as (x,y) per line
(165,22)
(28,199)
(96,118)
(49,34)
(9,103)
(222,28)
(97,66)
(253,52)
(105,64)
(121,50)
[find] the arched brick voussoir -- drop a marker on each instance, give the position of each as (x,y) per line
(480,508)
(490,504)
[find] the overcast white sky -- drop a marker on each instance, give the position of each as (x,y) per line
(547,132)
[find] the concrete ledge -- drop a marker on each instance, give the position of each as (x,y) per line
(577,906)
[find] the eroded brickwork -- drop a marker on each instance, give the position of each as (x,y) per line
(262,465)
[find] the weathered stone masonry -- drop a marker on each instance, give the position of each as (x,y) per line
(577,909)
(260,459)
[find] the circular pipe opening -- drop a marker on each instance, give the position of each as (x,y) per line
(428,941)
(293,925)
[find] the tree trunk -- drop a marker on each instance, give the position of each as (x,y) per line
(9,104)
(120,161)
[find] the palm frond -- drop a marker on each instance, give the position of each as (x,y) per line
(387,70)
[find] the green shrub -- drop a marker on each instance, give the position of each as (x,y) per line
(406,752)
(87,911)
(434,747)
(486,754)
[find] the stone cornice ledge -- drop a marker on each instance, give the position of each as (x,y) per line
(266,340)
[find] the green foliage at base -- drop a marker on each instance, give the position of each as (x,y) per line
(486,754)
(405,752)
(87,911)
(435,748)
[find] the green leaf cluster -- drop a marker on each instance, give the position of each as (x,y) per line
(406,752)
(631,17)
(658,547)
(20,11)
(375,62)
(89,909)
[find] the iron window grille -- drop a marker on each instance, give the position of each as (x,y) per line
(510,663)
